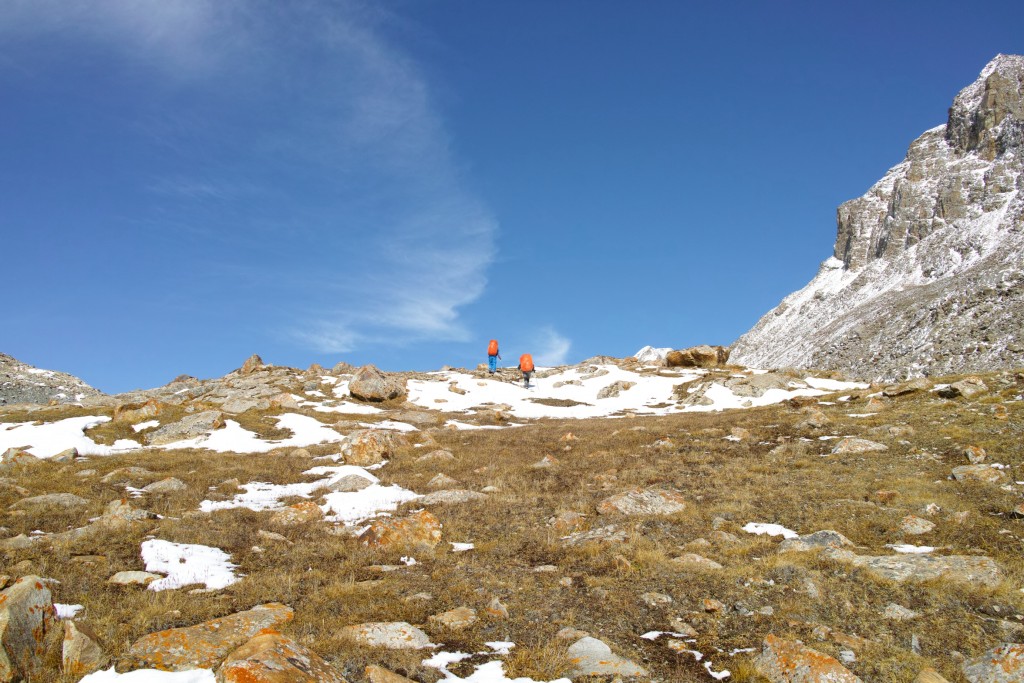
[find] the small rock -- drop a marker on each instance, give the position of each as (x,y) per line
(711,605)
(656,599)
(644,502)
(164,486)
(439,455)
(375,674)
(570,633)
(592,657)
(442,481)
(694,561)
(1004,664)
(975,454)
(968,387)
(395,635)
(419,529)
(65,456)
(350,483)
(899,612)
(133,578)
(982,473)
(300,513)
(497,609)
(452,497)
(826,538)
(916,526)
(455,620)
(545,462)
(857,445)
(567,522)
(787,661)
(50,500)
(80,654)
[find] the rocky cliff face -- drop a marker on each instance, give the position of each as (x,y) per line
(22,383)
(927,274)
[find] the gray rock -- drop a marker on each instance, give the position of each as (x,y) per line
(982,571)
(614,389)
(395,635)
(80,654)
(27,629)
(819,539)
(788,661)
(349,484)
(967,388)
(1004,664)
(856,445)
(604,535)
(593,657)
(51,500)
(132,474)
(133,578)
(982,473)
(899,612)
(169,485)
(643,502)
(757,385)
(22,383)
(915,526)
(16,458)
(451,496)
(187,428)
(442,481)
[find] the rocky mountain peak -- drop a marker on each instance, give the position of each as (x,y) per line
(22,383)
(923,272)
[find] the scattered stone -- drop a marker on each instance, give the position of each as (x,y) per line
(301,513)
(50,500)
(419,529)
(80,654)
(1004,664)
(982,473)
(975,454)
(442,481)
(28,632)
(971,569)
(852,444)
(128,474)
(694,561)
(165,486)
(375,674)
(656,599)
(189,427)
(204,645)
(15,458)
(644,502)
(350,483)
(370,384)
(370,446)
(788,661)
(497,609)
(614,389)
(455,619)
(605,535)
(915,526)
(273,658)
(899,612)
(969,387)
(929,675)
(819,539)
(452,497)
(439,455)
(592,657)
(567,522)
(394,635)
(133,578)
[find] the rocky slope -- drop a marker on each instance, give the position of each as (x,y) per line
(926,274)
(22,383)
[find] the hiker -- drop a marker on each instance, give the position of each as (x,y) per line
(526,367)
(492,356)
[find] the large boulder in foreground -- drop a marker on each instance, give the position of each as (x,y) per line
(370,384)
(28,630)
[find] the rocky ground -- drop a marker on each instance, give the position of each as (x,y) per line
(872,533)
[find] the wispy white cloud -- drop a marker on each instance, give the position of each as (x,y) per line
(301,132)
(553,348)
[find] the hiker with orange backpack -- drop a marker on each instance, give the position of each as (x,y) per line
(492,356)
(526,367)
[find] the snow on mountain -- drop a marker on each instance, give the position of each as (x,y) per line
(925,273)
(22,383)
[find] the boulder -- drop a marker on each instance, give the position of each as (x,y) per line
(789,661)
(16,458)
(273,658)
(592,657)
(419,529)
(164,486)
(370,446)
(702,356)
(300,513)
(187,428)
(971,569)
(205,645)
(64,501)
(1004,664)
(80,654)
(915,526)
(969,387)
(350,483)
(614,389)
(133,578)
(819,539)
(28,629)
(852,444)
(982,473)
(370,384)
(393,635)
(913,386)
(643,502)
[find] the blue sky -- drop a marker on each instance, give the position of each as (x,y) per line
(187,182)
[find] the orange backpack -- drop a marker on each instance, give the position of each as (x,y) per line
(492,348)
(526,363)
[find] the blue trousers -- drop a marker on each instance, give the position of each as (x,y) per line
(492,364)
